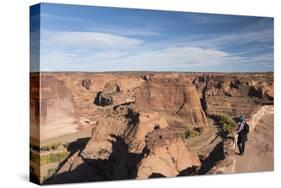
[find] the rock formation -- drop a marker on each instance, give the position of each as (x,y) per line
(86,83)
(55,108)
(234,94)
(134,120)
(227,165)
(167,157)
(172,97)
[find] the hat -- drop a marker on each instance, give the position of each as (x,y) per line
(242,118)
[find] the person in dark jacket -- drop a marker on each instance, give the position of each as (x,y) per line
(242,131)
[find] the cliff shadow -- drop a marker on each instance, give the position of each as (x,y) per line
(156,175)
(214,157)
(79,144)
(190,171)
(120,165)
(73,147)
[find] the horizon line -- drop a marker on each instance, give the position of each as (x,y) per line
(151,72)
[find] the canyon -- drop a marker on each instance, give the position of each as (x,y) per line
(139,125)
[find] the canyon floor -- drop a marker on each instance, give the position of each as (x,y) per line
(259,155)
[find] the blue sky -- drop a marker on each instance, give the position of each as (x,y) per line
(96,39)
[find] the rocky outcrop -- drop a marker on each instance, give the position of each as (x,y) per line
(227,164)
(122,123)
(168,156)
(234,94)
(86,83)
(174,97)
(135,117)
(255,116)
(128,145)
(148,122)
(113,95)
(57,112)
(108,95)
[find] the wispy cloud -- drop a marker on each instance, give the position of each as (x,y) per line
(104,52)
(231,39)
(61,18)
(93,26)
(145,31)
(212,18)
(86,40)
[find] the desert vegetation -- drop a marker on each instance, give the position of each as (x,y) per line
(48,158)
(226,122)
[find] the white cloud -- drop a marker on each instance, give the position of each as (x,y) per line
(230,39)
(167,59)
(97,51)
(180,56)
(86,40)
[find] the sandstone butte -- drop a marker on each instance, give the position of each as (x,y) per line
(135,120)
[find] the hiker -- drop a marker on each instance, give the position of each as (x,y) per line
(242,131)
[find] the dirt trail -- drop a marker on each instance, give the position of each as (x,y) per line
(259,155)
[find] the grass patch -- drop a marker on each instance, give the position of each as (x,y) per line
(53,157)
(49,158)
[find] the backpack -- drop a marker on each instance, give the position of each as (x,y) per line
(246,128)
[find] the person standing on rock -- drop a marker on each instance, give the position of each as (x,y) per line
(242,131)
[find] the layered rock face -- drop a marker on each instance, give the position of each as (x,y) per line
(181,99)
(107,156)
(134,118)
(172,97)
(55,110)
(234,94)
(123,124)
(34,107)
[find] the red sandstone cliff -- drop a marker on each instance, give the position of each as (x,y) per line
(134,118)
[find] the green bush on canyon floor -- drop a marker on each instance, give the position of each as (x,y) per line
(53,146)
(53,157)
(225,121)
(190,133)
(48,158)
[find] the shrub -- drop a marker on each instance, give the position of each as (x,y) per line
(181,135)
(190,133)
(54,146)
(51,171)
(226,122)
